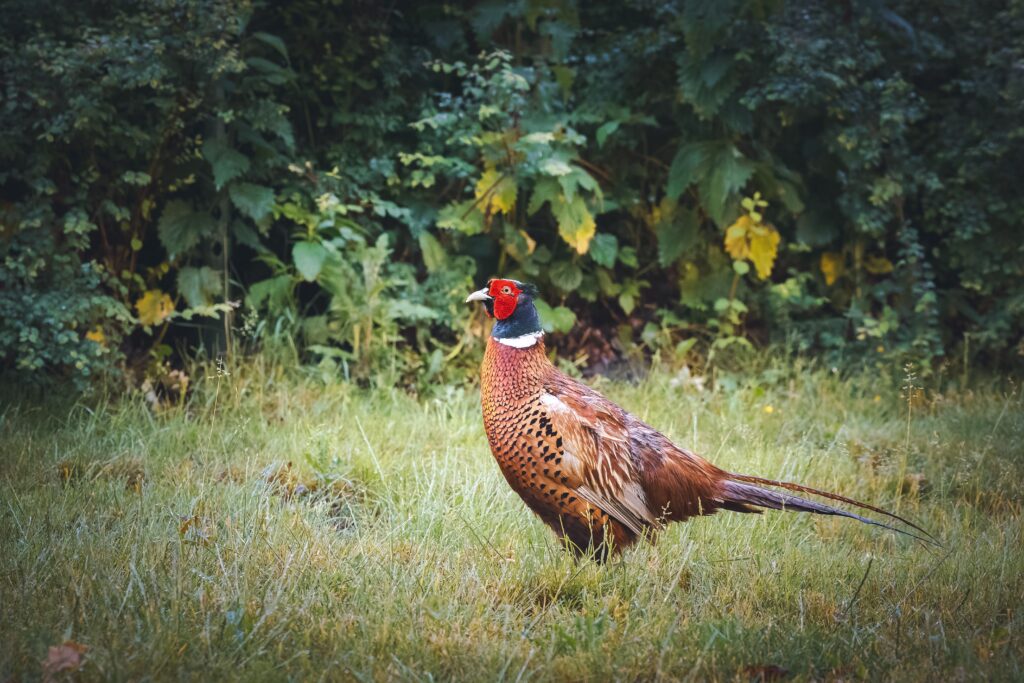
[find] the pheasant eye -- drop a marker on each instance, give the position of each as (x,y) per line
(506,290)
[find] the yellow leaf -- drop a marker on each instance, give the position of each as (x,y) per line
(500,192)
(736,238)
(585,231)
(764,247)
(96,335)
(154,307)
(877,265)
(487,180)
(576,225)
(831,266)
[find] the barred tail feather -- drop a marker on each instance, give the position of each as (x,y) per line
(743,490)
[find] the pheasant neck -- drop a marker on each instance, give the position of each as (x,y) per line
(520,330)
(509,375)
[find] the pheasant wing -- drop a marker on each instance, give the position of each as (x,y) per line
(596,453)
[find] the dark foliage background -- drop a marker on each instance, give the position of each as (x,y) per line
(327,179)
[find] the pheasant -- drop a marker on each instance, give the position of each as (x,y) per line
(598,476)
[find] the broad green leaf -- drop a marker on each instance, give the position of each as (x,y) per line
(199,286)
(255,201)
(227,163)
(309,259)
(780,183)
(578,178)
(556,165)
(274,293)
(683,347)
(269,71)
(690,163)
(558,319)
(627,302)
(730,171)
(604,248)
(410,311)
(464,217)
(180,228)
(677,235)
(604,131)
(244,233)
(705,81)
(273,41)
(607,285)
(434,256)
(715,68)
(566,275)
(545,190)
(627,256)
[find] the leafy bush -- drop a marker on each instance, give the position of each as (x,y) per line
(675,176)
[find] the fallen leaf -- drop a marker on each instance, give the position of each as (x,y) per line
(65,657)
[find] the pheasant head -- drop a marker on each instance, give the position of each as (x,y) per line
(510,303)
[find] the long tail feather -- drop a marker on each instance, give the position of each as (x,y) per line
(751,493)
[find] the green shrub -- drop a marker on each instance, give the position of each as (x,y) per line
(694,176)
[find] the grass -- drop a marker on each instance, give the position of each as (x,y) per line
(180,544)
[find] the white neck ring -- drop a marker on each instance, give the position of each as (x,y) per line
(523,341)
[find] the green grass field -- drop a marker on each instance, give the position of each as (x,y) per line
(180,544)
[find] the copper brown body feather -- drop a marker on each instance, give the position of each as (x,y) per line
(598,476)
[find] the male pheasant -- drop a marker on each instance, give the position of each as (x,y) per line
(599,477)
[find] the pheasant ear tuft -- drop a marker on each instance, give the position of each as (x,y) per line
(529,288)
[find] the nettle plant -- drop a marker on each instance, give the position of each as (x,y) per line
(342,294)
(153,135)
(520,180)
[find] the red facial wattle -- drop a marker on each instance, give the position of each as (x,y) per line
(506,295)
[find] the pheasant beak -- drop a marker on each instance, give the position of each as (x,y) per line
(480,295)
